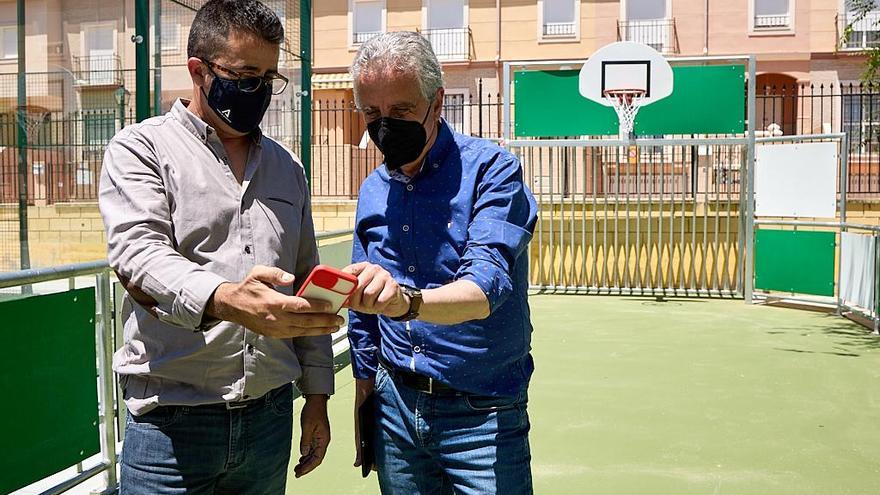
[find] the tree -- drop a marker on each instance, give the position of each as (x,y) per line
(860,11)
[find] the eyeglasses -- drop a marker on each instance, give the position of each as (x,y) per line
(249,84)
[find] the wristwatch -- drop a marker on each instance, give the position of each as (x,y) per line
(415,302)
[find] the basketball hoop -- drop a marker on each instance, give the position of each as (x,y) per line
(626,103)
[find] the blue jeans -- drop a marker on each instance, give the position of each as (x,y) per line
(462,444)
(209,450)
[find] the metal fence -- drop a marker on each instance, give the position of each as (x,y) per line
(806,109)
(343,156)
(657,218)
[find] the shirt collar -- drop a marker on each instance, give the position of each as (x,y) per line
(198,127)
(435,155)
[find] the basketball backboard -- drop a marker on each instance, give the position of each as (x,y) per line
(626,65)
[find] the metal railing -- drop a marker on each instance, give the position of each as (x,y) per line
(98,70)
(106,317)
(856,32)
(104,340)
(450,44)
(664,221)
(559,29)
(358,38)
(771,21)
(659,34)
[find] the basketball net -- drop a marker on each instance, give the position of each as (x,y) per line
(626,103)
(33,120)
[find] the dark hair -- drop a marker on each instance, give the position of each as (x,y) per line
(213,22)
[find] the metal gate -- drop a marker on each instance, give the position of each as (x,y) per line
(653,217)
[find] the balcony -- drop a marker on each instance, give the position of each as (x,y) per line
(553,30)
(101,70)
(450,44)
(358,38)
(659,34)
(772,22)
(864,32)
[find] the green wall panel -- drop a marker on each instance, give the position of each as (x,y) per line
(795,261)
(48,379)
(705,100)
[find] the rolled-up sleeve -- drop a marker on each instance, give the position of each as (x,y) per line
(363,329)
(500,229)
(140,244)
(315,354)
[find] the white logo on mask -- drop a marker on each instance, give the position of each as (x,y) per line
(226,113)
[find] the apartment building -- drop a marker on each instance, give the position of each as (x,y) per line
(795,41)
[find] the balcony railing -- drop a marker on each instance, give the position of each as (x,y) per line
(864,33)
(659,34)
(359,38)
(559,29)
(101,70)
(450,44)
(772,21)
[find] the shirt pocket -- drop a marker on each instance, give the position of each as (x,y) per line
(282,215)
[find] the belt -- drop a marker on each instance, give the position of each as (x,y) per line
(242,404)
(417,382)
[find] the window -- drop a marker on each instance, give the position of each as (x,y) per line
(861,122)
(456,110)
(648,22)
(99,54)
(645,10)
(170,34)
(10,42)
(865,29)
(772,15)
(367,20)
(559,18)
(447,29)
(100,125)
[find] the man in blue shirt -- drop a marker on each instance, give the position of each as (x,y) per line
(439,327)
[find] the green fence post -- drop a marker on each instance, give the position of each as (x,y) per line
(142,58)
(24,248)
(305,42)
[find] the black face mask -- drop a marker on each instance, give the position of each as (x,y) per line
(240,110)
(401,141)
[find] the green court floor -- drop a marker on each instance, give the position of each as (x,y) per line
(633,396)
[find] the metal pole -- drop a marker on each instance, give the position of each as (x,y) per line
(104,338)
(24,247)
(876,308)
(157,58)
(305,42)
(142,58)
(505,128)
(844,179)
(749,247)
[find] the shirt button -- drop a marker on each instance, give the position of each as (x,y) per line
(410,187)
(247,250)
(417,349)
(411,269)
(436,165)
(406,228)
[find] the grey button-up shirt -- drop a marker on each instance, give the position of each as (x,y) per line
(178,225)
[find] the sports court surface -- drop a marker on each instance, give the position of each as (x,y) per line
(710,396)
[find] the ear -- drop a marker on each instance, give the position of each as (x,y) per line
(197,71)
(437,105)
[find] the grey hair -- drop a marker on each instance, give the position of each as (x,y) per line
(403,51)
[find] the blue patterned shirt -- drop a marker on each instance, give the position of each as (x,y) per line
(465,216)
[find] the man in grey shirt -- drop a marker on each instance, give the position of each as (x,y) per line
(209,228)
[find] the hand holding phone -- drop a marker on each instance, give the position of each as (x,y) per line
(326,283)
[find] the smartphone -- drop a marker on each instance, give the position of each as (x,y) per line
(326,283)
